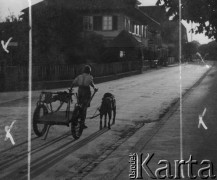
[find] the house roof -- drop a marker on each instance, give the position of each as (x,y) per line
(169,29)
(125,39)
(156,12)
(36,7)
(95,4)
(128,6)
(87,4)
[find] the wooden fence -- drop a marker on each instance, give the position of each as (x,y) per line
(12,77)
(16,77)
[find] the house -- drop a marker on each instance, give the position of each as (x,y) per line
(127,31)
(169,29)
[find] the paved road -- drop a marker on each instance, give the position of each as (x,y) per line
(141,101)
(169,144)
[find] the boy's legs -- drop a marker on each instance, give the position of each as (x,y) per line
(84,95)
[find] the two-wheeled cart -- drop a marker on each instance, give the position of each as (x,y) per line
(54,108)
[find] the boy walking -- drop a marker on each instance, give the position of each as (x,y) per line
(84,82)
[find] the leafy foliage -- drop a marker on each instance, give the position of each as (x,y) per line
(203,12)
(94,46)
(209,51)
(18,30)
(190,49)
(55,35)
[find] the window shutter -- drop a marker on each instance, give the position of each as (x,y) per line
(97,23)
(115,23)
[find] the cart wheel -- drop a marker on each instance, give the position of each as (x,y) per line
(76,124)
(39,128)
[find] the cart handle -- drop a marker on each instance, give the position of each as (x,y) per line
(95,90)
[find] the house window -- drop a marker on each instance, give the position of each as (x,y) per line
(140,30)
(97,23)
(145,32)
(107,22)
(88,23)
(114,22)
(122,54)
(125,23)
(137,29)
(128,25)
(134,29)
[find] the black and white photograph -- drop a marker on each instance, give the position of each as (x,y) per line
(108,89)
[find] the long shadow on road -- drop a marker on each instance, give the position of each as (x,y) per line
(13,159)
(45,161)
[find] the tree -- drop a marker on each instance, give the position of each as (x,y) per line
(94,46)
(18,30)
(56,35)
(190,49)
(203,12)
(209,51)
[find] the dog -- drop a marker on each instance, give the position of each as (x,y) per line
(108,107)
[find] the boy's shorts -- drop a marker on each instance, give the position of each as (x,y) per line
(84,95)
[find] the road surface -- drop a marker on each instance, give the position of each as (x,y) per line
(197,143)
(142,100)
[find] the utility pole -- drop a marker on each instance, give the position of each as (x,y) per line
(191,32)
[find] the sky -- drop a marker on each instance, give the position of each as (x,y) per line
(15,6)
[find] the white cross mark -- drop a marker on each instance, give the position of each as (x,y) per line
(8,134)
(5,46)
(201,120)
